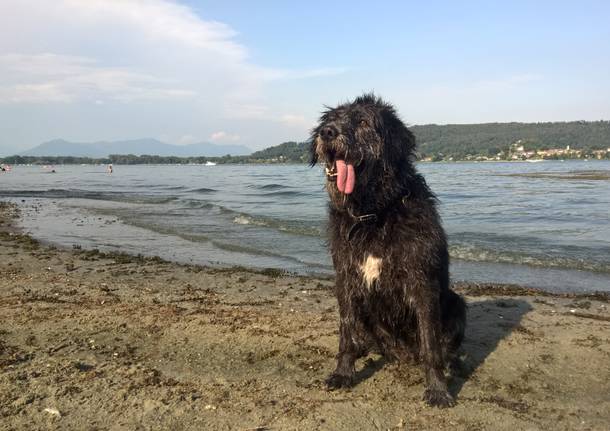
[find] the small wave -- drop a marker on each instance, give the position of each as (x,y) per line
(157,187)
(242,219)
(149,186)
(87,194)
(584,175)
(482,254)
(459,196)
(203,190)
(207,205)
(291,193)
(247,250)
(234,248)
(292,226)
(194,203)
(133,220)
(295,227)
(272,186)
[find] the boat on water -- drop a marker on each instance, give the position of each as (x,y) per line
(534,160)
(210,164)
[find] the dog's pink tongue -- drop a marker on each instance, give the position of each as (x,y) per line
(346,177)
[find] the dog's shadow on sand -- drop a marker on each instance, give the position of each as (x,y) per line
(371,366)
(489,321)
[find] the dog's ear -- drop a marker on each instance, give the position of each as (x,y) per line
(399,141)
(313,154)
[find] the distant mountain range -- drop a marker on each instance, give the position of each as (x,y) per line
(436,142)
(60,147)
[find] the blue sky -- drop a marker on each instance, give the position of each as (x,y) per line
(258,73)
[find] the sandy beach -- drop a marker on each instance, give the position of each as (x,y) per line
(98,341)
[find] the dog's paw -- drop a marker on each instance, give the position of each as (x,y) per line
(337,381)
(438,398)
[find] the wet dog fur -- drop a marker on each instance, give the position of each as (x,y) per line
(392,269)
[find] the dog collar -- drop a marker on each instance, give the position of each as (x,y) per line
(359,220)
(368,218)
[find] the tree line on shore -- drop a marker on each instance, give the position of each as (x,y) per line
(460,140)
(435,142)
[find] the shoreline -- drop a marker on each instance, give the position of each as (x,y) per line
(107,340)
(292,162)
(470,288)
(48,220)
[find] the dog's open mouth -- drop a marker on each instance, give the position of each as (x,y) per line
(344,174)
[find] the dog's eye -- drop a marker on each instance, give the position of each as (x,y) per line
(363,123)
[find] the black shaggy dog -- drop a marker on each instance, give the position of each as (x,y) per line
(388,247)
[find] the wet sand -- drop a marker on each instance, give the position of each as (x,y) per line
(99,341)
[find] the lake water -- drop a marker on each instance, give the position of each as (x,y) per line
(544,225)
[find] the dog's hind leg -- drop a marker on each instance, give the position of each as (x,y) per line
(453,310)
(428,313)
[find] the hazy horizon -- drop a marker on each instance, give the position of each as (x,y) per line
(257,75)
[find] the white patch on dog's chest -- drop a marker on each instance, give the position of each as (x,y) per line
(371,269)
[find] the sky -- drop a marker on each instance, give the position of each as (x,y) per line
(259,73)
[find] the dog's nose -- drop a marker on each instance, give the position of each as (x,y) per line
(327,133)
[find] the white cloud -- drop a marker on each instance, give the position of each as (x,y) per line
(163,21)
(128,50)
(33,93)
(150,67)
(223,136)
(124,50)
(48,77)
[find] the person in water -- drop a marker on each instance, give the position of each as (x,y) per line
(109,169)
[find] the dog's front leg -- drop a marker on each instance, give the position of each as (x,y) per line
(343,376)
(429,324)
